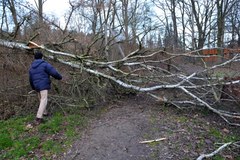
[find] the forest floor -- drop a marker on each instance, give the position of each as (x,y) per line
(117,129)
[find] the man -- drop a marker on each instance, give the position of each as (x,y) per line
(39,78)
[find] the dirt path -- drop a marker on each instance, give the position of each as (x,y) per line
(116,133)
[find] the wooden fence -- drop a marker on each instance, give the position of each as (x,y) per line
(215,54)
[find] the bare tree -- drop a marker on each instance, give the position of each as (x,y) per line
(9,6)
(172,9)
(40,11)
(164,20)
(182,8)
(223,9)
(3,16)
(232,25)
(202,11)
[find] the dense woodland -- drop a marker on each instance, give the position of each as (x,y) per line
(173,24)
(126,47)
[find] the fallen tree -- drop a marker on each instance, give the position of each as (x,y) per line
(169,78)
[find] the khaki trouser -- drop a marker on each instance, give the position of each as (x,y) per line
(43,97)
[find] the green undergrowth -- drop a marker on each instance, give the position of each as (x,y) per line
(19,140)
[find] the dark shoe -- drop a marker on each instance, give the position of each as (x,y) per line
(35,123)
(46,114)
(38,121)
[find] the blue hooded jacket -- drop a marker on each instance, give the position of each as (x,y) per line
(39,75)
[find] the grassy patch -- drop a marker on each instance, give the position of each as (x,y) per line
(222,136)
(154,144)
(218,157)
(215,133)
(182,119)
(51,147)
(17,141)
(219,74)
(53,126)
(5,140)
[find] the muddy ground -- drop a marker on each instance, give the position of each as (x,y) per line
(116,133)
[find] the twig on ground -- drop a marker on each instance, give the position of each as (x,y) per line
(154,140)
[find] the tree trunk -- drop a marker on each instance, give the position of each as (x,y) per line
(14,16)
(175,30)
(40,12)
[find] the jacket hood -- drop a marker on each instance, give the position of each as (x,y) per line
(37,62)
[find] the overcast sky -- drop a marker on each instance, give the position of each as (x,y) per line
(54,7)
